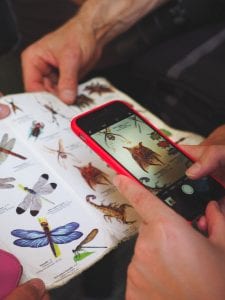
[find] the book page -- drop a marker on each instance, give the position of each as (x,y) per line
(62,201)
(46,224)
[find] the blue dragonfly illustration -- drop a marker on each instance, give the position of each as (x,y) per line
(36,239)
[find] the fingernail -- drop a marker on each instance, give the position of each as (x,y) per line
(68,96)
(38,284)
(193,170)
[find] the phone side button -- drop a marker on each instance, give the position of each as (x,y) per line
(82,137)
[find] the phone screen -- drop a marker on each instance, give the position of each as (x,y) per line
(152,159)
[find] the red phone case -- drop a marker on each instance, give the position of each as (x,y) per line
(101,152)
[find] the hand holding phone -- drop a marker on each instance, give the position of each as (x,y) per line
(134,147)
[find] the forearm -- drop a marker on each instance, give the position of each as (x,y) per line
(107,19)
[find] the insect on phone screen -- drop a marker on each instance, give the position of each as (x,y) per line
(153,160)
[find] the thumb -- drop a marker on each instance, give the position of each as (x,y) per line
(211,158)
(215,222)
(144,202)
(68,78)
(33,289)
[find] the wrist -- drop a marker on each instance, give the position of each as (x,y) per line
(104,19)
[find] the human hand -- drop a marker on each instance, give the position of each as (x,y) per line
(209,160)
(217,137)
(55,62)
(33,289)
(209,156)
(171,259)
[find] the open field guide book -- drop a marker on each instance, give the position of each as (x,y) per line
(59,211)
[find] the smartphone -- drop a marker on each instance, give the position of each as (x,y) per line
(132,146)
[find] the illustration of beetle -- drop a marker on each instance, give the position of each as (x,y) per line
(36,129)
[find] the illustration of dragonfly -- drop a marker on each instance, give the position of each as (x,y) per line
(36,239)
(79,256)
(62,155)
(6,145)
(35,195)
(14,107)
(4,183)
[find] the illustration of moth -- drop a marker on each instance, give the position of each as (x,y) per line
(83,101)
(93,175)
(98,88)
(35,195)
(144,156)
(35,238)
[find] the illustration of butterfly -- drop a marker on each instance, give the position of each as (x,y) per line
(36,239)
(35,195)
